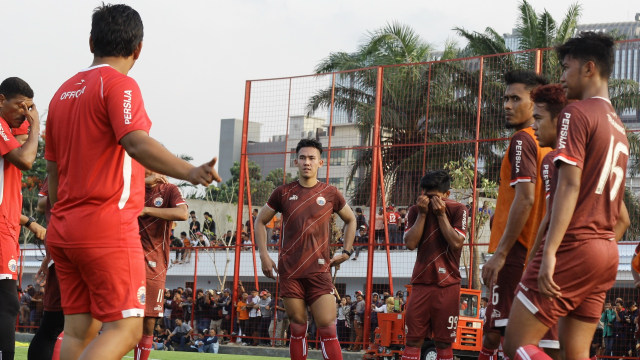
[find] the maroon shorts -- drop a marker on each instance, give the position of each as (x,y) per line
(432,312)
(154,302)
(51,300)
(108,283)
(585,271)
(309,289)
(550,339)
(503,292)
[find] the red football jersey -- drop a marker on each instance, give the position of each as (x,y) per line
(306,213)
(22,130)
(392,218)
(436,263)
(10,206)
(100,188)
(592,137)
(155,233)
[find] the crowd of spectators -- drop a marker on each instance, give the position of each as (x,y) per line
(31,308)
(618,333)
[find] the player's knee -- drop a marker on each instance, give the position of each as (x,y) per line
(326,332)
(491,340)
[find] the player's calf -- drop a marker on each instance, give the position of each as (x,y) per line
(298,341)
(329,341)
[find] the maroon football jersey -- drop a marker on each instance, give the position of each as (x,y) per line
(592,137)
(436,262)
(548,172)
(155,233)
(306,213)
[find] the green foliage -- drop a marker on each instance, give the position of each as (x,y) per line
(633,207)
(31,182)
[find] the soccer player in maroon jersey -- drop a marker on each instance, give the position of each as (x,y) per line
(568,278)
(163,204)
(519,207)
(16,107)
(436,226)
(97,147)
(303,267)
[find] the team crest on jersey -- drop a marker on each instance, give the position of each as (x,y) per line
(142,294)
(293,197)
(321,201)
(13,265)
(158,201)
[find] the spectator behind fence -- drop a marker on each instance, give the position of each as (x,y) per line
(282,322)
(242,311)
(180,335)
(194,224)
(209,226)
(177,243)
(265,316)
(343,325)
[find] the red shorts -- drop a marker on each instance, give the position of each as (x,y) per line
(432,312)
(154,306)
(585,271)
(502,294)
(109,283)
(51,299)
(309,289)
(9,253)
(550,340)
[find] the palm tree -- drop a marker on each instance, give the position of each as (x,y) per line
(410,94)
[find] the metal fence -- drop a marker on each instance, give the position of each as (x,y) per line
(382,128)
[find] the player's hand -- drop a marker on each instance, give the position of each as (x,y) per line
(38,230)
(155,179)
(43,271)
(204,174)
(338,259)
(437,206)
(546,285)
(491,269)
(423,204)
(268,265)
(31,114)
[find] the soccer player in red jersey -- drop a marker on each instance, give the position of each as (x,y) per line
(16,107)
(303,267)
(436,226)
(519,208)
(97,144)
(568,278)
(163,204)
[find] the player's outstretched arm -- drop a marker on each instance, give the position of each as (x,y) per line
(564,204)
(178,213)
(453,238)
(623,221)
(24,156)
(518,215)
(260,236)
(349,218)
(151,154)
(38,230)
(414,234)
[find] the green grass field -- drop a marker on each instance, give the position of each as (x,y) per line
(21,354)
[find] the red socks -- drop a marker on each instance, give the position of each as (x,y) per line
(531,352)
(445,354)
(143,349)
(298,341)
(411,353)
(330,345)
(487,354)
(56,347)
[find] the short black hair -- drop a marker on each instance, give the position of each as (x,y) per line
(529,78)
(309,143)
(439,180)
(590,46)
(192,212)
(206,213)
(14,86)
(358,210)
(116,30)
(183,233)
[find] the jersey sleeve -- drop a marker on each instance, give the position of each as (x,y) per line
(338,200)
(412,215)
(573,133)
(458,220)
(275,200)
(44,188)
(523,155)
(7,141)
(175,197)
(22,130)
(126,108)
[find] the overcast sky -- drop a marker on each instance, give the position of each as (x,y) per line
(197,55)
